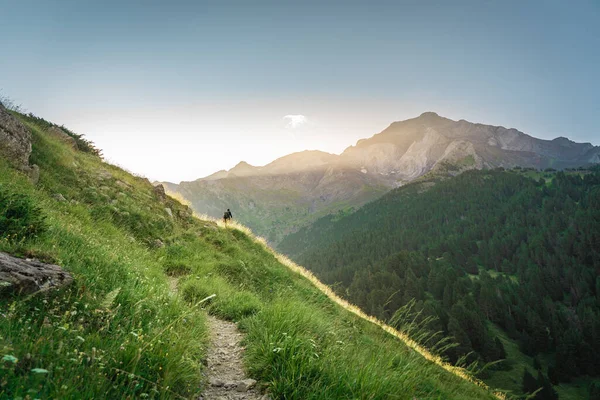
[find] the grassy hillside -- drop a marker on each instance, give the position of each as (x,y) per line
(133,324)
(274,206)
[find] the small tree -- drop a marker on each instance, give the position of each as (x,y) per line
(529,383)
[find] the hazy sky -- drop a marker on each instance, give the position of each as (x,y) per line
(177,90)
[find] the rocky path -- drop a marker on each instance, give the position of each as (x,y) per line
(225,372)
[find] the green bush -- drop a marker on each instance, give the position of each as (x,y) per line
(19,217)
(230,302)
(176,269)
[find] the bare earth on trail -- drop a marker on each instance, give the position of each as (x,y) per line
(226,377)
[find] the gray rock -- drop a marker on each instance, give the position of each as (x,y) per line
(159,191)
(157,243)
(61,135)
(169,212)
(19,276)
(15,140)
(245,385)
(185,213)
(123,185)
(217,383)
(59,197)
(230,385)
(34,174)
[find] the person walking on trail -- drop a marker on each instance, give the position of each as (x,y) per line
(228,216)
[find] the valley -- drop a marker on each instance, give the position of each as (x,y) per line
(293,191)
(504,262)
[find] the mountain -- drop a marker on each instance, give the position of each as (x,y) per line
(148,279)
(505,262)
(283,196)
(279,198)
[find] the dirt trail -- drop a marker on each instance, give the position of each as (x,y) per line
(225,375)
(225,371)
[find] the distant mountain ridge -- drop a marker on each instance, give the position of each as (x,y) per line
(294,190)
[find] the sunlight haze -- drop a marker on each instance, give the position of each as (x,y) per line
(177,92)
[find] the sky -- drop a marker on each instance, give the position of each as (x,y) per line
(178,90)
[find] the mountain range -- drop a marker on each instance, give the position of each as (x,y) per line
(281,197)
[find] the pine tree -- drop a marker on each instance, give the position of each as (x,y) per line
(529,383)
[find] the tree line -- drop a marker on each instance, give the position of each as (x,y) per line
(485,246)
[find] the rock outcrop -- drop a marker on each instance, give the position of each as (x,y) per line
(25,276)
(15,140)
(61,135)
(159,192)
(15,144)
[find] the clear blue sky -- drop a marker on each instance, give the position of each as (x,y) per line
(176,90)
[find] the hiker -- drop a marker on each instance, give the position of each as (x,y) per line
(227,216)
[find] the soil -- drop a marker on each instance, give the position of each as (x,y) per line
(226,378)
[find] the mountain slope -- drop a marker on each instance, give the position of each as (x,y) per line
(133,324)
(482,252)
(280,200)
(408,149)
(281,197)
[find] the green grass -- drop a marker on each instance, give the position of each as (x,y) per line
(122,330)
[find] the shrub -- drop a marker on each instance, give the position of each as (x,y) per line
(230,302)
(20,218)
(176,269)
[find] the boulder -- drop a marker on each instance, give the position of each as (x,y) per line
(25,276)
(159,191)
(61,135)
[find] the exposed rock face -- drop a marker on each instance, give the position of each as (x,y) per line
(292,191)
(15,144)
(159,191)
(20,276)
(15,140)
(58,133)
(418,145)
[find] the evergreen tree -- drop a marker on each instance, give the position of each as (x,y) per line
(529,383)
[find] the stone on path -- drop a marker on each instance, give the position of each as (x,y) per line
(225,371)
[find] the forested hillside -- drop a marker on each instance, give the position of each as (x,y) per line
(486,249)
